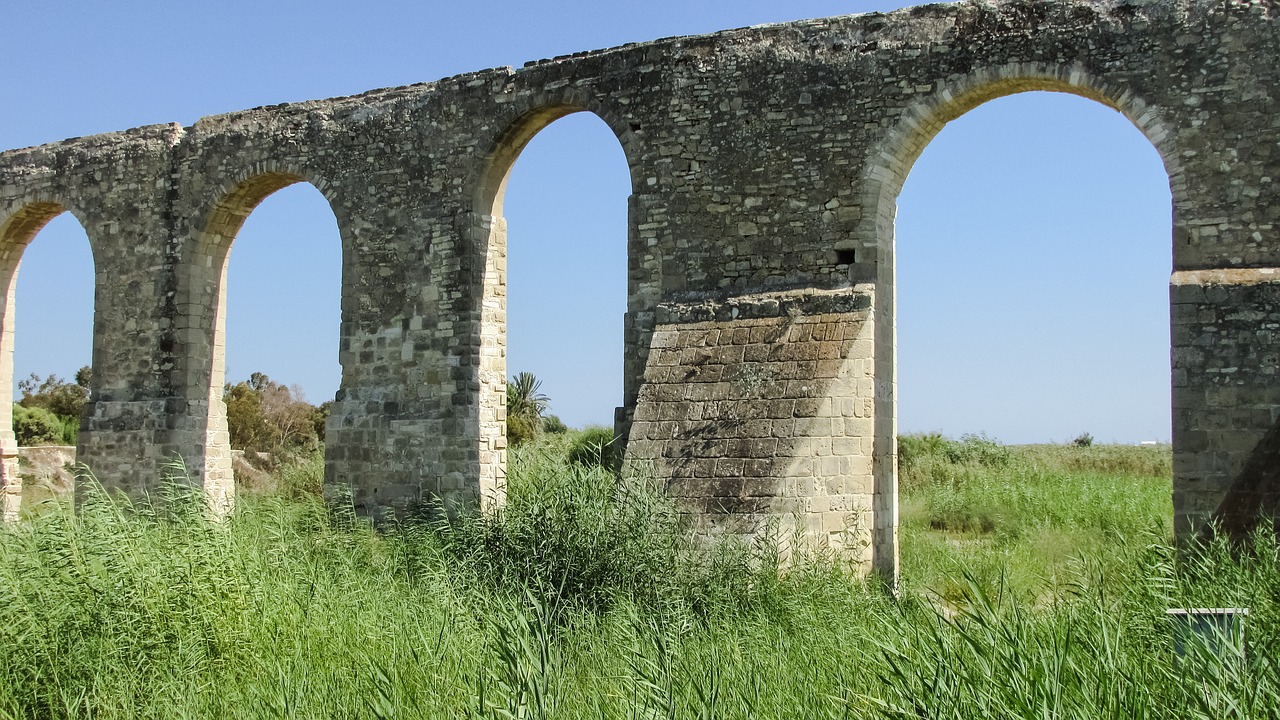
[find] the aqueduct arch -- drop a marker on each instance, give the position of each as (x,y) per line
(892,162)
(490,190)
(201,292)
(765,163)
(16,232)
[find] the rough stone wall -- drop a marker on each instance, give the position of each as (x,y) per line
(756,411)
(765,166)
(116,185)
(1226,380)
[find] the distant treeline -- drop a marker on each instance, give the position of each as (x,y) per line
(263,415)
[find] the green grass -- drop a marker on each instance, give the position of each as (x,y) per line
(1032,518)
(582,600)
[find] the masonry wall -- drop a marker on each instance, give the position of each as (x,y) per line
(765,165)
(1226,398)
(116,186)
(756,412)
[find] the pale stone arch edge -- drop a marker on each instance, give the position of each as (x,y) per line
(202,313)
(887,167)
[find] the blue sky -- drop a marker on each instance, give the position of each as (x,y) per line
(1033,233)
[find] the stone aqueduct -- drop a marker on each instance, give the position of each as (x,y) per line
(759,335)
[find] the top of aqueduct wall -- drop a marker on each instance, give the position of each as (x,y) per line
(906,27)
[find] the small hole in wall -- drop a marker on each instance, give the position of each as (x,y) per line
(846,257)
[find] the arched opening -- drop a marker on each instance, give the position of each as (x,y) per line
(50,304)
(1031,261)
(273,355)
(555,292)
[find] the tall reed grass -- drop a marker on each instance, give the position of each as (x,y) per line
(582,599)
(1030,518)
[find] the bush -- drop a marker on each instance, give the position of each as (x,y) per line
(918,453)
(36,426)
(553,424)
(267,417)
(571,532)
(596,447)
(70,430)
(1133,460)
(578,536)
(64,399)
(302,477)
(978,450)
(520,430)
(913,448)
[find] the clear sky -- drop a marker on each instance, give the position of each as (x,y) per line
(1033,233)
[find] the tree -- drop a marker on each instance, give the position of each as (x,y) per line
(320,417)
(64,399)
(245,423)
(289,415)
(265,416)
(51,401)
(525,407)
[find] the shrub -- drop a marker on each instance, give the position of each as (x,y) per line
(265,416)
(1084,439)
(1133,460)
(64,399)
(571,532)
(913,448)
(302,477)
(70,430)
(929,455)
(596,447)
(520,430)
(553,424)
(36,426)
(581,537)
(978,450)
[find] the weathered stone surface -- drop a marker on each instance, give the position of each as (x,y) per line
(48,473)
(759,336)
(761,406)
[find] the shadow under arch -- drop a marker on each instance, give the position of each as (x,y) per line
(488,231)
(202,321)
(886,171)
(17,232)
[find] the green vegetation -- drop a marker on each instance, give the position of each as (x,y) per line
(583,598)
(1033,517)
(50,409)
(36,426)
(264,416)
(525,408)
(596,447)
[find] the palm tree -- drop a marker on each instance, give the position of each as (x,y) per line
(525,406)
